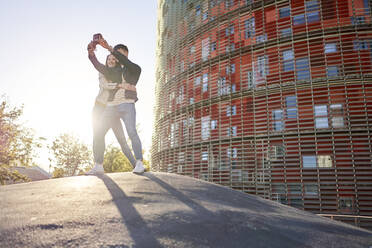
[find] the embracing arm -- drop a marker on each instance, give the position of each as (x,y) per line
(105,84)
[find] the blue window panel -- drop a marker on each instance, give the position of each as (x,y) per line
(302,69)
(309,161)
(312,5)
(278,125)
(320,110)
(286,32)
(197,10)
(321,122)
(298,19)
(291,101)
(284,12)
(332,71)
(249,28)
(330,48)
(312,17)
(278,114)
(288,65)
(292,113)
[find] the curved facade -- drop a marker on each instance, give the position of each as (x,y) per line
(272,98)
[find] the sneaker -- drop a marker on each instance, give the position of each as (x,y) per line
(139,169)
(96,170)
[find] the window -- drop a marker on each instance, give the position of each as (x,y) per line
(197,81)
(321,116)
(278,119)
(337,115)
(197,10)
(232,152)
(302,69)
(284,12)
(214,46)
(261,38)
(230,47)
(332,71)
(262,70)
(223,87)
(298,19)
(205,82)
(191,100)
(360,45)
(249,28)
(357,20)
(250,79)
(287,32)
(229,30)
(291,104)
(311,189)
(330,48)
(205,127)
(312,11)
(205,49)
(230,69)
(345,203)
(324,161)
(229,3)
(309,161)
(204,156)
(213,124)
(192,49)
(288,60)
(276,152)
(232,131)
(181,157)
(230,110)
(205,16)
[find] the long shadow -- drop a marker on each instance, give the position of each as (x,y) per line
(181,197)
(137,227)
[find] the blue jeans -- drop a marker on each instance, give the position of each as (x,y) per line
(126,112)
(99,122)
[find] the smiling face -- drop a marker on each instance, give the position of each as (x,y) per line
(111,61)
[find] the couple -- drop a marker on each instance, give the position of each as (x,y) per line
(115,101)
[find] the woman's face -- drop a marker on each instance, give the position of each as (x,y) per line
(111,61)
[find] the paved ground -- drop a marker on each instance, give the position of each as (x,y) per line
(158,210)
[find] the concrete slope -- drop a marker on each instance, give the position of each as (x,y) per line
(158,210)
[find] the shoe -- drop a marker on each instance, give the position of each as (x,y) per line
(96,170)
(139,169)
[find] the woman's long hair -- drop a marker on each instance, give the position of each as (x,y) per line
(114,73)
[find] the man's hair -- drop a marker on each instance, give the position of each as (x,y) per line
(121,46)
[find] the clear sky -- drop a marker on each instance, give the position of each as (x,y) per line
(44,62)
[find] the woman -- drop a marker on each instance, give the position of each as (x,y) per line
(110,79)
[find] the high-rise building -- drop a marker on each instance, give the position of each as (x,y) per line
(272,98)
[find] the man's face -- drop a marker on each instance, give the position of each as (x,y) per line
(122,51)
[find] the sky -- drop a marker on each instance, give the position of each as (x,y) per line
(44,62)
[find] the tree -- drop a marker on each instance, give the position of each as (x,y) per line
(70,155)
(17,143)
(115,161)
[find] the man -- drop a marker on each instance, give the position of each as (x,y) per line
(122,106)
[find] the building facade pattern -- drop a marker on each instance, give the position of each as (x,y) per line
(272,98)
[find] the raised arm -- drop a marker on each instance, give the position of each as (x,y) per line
(92,57)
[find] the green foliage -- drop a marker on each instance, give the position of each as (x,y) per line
(58,172)
(17,143)
(115,161)
(70,155)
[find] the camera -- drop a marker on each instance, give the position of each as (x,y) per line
(96,38)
